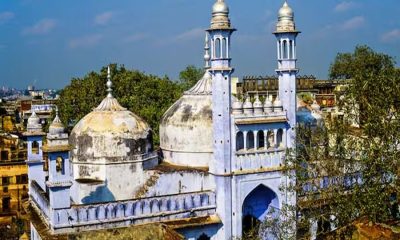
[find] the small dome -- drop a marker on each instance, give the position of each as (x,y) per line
(186,131)
(56,127)
(285,19)
(33,119)
(220,16)
(34,123)
(285,11)
(258,106)
(278,105)
(220,7)
(268,107)
(248,106)
(237,106)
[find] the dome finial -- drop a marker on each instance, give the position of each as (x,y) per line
(207,53)
(220,15)
(109,83)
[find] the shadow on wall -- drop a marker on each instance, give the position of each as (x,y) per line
(101,194)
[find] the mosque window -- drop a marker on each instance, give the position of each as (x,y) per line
(60,164)
(239,141)
(285,49)
(224,49)
(250,140)
(291,54)
(217,48)
(260,139)
(279,138)
(35,147)
(270,139)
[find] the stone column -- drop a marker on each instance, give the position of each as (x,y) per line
(245,140)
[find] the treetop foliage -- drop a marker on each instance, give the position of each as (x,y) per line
(146,95)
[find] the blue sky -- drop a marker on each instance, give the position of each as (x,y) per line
(48,42)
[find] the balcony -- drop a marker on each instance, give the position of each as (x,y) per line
(259,159)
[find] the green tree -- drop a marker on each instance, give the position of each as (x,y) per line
(350,168)
(146,95)
(189,77)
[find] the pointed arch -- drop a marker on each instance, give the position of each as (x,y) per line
(285,49)
(259,204)
(270,139)
(224,48)
(279,138)
(217,48)
(260,139)
(250,140)
(239,141)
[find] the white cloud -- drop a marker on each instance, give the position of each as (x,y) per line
(42,27)
(345,6)
(6,16)
(353,23)
(191,34)
(391,36)
(135,37)
(85,41)
(103,18)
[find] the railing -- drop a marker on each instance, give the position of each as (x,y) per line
(38,196)
(124,213)
(254,160)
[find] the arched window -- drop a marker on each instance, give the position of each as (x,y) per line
(279,50)
(291,55)
(239,141)
(217,48)
(224,49)
(270,139)
(260,204)
(279,138)
(35,147)
(60,164)
(285,50)
(204,237)
(260,139)
(250,140)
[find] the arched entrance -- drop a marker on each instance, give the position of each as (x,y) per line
(257,206)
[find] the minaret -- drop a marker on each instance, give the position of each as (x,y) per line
(60,180)
(286,34)
(34,137)
(220,33)
(221,70)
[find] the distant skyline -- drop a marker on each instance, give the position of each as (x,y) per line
(47,42)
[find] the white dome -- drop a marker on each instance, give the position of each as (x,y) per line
(56,127)
(33,124)
(285,11)
(237,106)
(268,107)
(220,7)
(109,134)
(186,132)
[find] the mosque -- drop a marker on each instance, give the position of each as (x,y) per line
(221,160)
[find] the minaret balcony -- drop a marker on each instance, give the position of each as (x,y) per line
(259,160)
